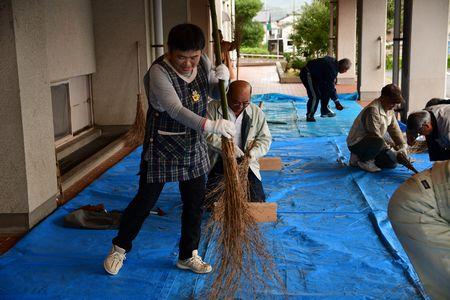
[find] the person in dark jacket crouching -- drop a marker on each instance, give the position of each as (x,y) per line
(319,78)
(433,122)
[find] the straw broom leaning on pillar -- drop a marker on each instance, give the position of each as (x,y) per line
(177,85)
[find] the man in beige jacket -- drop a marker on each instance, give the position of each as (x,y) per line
(419,212)
(366,139)
(251,130)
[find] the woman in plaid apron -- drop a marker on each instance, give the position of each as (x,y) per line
(177,85)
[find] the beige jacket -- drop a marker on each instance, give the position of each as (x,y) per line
(258,132)
(375,120)
(419,212)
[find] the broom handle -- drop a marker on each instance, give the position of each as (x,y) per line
(138,68)
(217,51)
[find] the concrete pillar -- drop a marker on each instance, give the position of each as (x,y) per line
(28,183)
(346,38)
(372,47)
(425,51)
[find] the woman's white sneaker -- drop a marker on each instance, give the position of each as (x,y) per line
(195,264)
(114,261)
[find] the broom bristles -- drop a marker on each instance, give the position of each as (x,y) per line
(135,135)
(240,245)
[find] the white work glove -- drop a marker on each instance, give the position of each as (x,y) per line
(252,154)
(222,72)
(238,153)
(392,154)
(221,126)
(403,149)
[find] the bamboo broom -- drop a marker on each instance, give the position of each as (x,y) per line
(135,135)
(241,251)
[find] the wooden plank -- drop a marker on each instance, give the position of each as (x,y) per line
(270,163)
(263,211)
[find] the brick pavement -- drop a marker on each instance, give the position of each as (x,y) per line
(264,80)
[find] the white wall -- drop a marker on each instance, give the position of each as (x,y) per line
(346,38)
(372,67)
(118,24)
(70,39)
(428,60)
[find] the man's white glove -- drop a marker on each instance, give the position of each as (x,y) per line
(222,72)
(238,153)
(252,154)
(404,150)
(221,126)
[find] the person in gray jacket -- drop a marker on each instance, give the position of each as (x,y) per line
(434,123)
(251,131)
(419,212)
(366,139)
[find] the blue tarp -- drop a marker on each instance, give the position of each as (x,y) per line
(291,111)
(331,240)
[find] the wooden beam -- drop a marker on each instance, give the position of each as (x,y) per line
(270,163)
(263,211)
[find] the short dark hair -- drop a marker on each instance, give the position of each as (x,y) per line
(416,120)
(344,63)
(186,37)
(392,92)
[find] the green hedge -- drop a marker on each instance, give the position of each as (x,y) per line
(389,62)
(254,50)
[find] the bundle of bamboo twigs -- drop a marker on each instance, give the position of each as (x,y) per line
(240,247)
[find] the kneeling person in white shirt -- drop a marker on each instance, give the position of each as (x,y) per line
(366,139)
(251,131)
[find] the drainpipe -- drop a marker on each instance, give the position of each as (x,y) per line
(397,39)
(331,31)
(158,28)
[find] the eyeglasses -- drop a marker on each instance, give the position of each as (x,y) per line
(239,104)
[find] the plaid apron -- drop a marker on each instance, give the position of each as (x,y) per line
(172,151)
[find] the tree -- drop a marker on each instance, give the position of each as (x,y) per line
(390,14)
(251,33)
(246,10)
(311,29)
